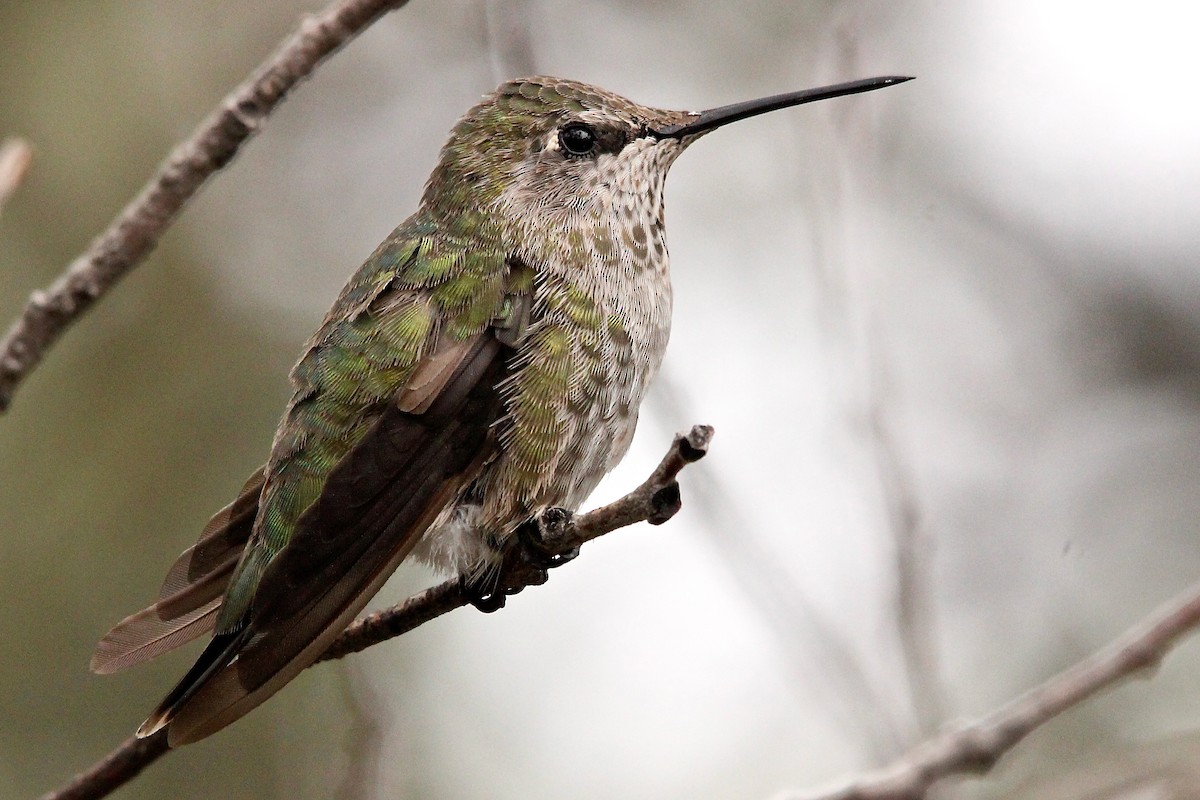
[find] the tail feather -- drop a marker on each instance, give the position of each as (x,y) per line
(191,594)
(145,635)
(224,535)
(216,656)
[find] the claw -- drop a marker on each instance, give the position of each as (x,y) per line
(550,561)
(486,595)
(531,575)
(525,561)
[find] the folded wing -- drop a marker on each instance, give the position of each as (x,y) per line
(376,504)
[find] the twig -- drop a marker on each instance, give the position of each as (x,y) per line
(655,501)
(363,745)
(114,770)
(15,158)
(138,228)
(975,748)
(818,651)
(912,545)
(508,39)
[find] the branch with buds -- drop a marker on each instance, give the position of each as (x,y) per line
(138,228)
(559,533)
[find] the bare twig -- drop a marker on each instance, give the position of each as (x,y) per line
(114,770)
(508,39)
(843,314)
(15,158)
(655,501)
(138,228)
(976,747)
(363,747)
(912,544)
(816,649)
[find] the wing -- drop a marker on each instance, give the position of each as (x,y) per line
(378,441)
(190,596)
(376,504)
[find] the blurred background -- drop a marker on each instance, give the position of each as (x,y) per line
(948,334)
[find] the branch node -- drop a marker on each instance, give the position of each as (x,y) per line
(39,300)
(665,503)
(980,749)
(554,522)
(694,445)
(555,530)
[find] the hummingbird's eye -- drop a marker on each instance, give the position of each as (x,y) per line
(577,139)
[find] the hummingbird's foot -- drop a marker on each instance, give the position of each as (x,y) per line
(489,592)
(525,560)
(483,592)
(521,565)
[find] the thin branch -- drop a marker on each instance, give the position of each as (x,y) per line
(912,546)
(561,533)
(975,748)
(507,38)
(15,157)
(816,649)
(850,320)
(841,320)
(138,228)
(115,769)
(363,746)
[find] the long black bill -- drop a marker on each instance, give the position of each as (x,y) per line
(716,117)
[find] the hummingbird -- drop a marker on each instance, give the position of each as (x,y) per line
(485,363)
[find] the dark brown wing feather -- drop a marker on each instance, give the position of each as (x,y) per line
(216,654)
(191,593)
(376,504)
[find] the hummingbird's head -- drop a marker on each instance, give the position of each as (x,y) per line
(548,153)
(560,159)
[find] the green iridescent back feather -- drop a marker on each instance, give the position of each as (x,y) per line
(422,283)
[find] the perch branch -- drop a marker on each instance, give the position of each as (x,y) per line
(138,228)
(976,747)
(560,533)
(655,501)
